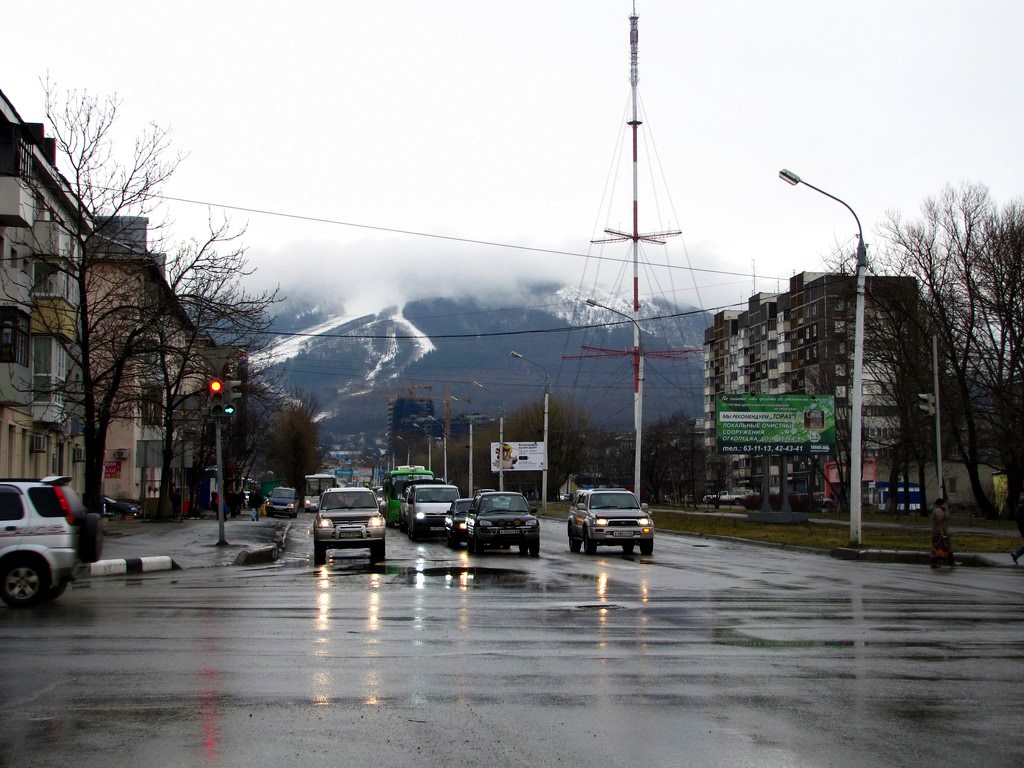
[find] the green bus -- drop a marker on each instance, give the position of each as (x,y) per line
(395,482)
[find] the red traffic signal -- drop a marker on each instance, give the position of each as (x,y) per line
(215,387)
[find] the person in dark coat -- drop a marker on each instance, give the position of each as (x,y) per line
(942,546)
(1020,527)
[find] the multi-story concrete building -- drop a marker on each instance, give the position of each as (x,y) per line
(799,341)
(41,423)
(40,433)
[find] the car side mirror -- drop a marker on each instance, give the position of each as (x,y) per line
(644,507)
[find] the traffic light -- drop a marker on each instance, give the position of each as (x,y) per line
(215,399)
(231,392)
(926,403)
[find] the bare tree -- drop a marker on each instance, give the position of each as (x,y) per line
(292,444)
(209,307)
(967,255)
(110,330)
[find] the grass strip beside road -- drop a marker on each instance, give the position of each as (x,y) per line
(902,533)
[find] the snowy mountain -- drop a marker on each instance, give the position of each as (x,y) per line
(353,365)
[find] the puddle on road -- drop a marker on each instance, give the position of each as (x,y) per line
(464,575)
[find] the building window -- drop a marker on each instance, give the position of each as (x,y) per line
(49,366)
(13,336)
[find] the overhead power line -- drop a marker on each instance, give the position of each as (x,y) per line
(450,238)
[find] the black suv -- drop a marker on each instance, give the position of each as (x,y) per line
(45,534)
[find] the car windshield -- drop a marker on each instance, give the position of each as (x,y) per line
(437,494)
(613,501)
(347,500)
(283,493)
(501,503)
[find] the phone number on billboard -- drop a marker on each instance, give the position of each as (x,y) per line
(775,448)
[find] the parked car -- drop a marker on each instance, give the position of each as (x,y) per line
(348,518)
(281,503)
(610,517)
(47,535)
(425,507)
(502,519)
(455,522)
(120,507)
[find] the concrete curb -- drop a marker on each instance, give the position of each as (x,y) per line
(132,565)
(268,553)
(906,556)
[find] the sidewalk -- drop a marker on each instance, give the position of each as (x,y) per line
(147,545)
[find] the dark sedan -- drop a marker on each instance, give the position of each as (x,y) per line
(120,507)
(455,522)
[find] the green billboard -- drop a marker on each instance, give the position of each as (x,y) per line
(776,424)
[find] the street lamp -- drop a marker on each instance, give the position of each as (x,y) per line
(501,434)
(857,395)
(444,439)
(547,394)
(638,387)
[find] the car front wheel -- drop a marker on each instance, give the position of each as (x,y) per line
(574,543)
(647,547)
(589,545)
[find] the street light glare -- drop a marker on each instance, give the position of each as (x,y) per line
(789,177)
(592,303)
(514,354)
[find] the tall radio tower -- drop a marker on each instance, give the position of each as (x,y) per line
(636,237)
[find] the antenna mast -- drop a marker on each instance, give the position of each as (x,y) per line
(636,238)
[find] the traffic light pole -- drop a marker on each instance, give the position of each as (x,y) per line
(221,541)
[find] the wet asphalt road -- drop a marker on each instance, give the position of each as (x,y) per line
(706,653)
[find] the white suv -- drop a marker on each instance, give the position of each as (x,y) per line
(45,534)
(610,517)
(348,518)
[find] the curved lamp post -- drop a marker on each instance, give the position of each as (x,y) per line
(547,394)
(857,395)
(638,387)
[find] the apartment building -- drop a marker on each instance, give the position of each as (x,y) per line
(798,341)
(40,433)
(41,424)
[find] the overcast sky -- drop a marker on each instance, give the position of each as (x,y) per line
(504,123)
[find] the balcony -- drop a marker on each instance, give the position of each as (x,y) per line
(17,208)
(48,401)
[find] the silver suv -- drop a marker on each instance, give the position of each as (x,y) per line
(610,517)
(45,534)
(348,518)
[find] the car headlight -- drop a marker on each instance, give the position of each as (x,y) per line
(484,523)
(601,521)
(325,522)
(462,525)
(420,515)
(532,523)
(376,522)
(644,521)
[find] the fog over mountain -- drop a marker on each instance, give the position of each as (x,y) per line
(353,363)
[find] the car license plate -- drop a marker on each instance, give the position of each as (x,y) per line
(344,534)
(508,530)
(622,533)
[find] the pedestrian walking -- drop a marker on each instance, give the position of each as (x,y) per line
(1020,527)
(942,546)
(255,500)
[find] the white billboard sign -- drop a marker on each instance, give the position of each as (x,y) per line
(517,457)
